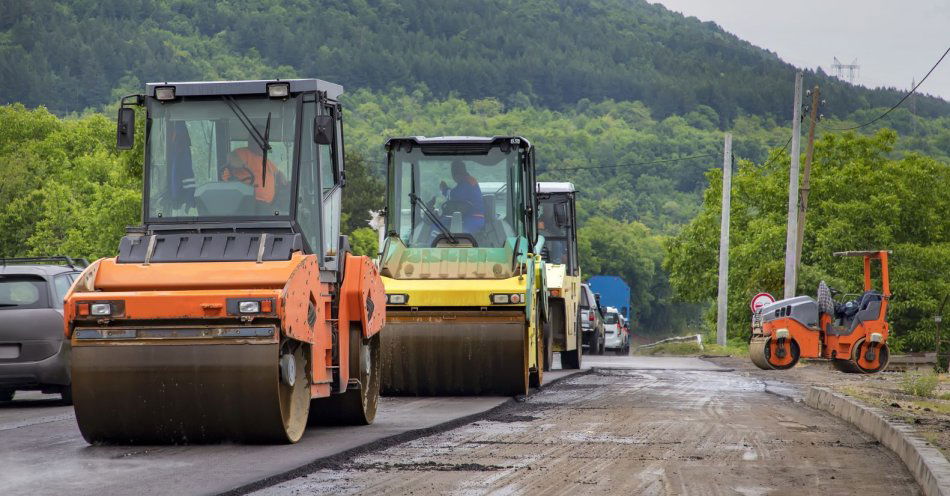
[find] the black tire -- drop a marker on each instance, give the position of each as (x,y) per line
(571,360)
(6,394)
(66,393)
(358,404)
(603,344)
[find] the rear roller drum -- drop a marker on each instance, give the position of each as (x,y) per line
(356,406)
(870,358)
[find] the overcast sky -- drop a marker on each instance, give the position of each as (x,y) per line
(893,41)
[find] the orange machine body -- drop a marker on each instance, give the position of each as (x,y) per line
(196,295)
(827,339)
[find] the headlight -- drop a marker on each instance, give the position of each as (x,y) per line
(165,93)
(278,90)
(503,298)
(100,309)
(397,299)
(249,307)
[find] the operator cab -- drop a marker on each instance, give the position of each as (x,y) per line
(260,160)
(469,194)
(556,222)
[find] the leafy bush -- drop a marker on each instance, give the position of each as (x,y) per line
(920,383)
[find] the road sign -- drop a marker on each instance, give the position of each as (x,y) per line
(760,300)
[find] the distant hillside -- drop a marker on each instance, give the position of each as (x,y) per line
(71,55)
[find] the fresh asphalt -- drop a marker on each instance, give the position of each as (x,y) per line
(42,451)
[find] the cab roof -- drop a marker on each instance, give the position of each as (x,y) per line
(553,187)
(249,87)
(457,140)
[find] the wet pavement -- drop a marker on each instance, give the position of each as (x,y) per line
(42,451)
(638,425)
(665,426)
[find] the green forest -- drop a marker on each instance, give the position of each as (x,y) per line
(634,117)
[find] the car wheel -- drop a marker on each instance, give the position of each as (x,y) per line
(6,394)
(66,393)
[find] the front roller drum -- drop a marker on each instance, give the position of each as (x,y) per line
(768,353)
(180,393)
(434,354)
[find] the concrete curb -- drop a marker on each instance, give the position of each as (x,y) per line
(927,464)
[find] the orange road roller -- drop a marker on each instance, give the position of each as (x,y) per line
(852,334)
(235,312)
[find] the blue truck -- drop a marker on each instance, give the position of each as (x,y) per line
(613,291)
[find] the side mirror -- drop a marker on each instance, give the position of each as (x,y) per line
(125,129)
(323,129)
(560,215)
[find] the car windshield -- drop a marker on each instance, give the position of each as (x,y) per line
(19,292)
(205,158)
(455,200)
(611,318)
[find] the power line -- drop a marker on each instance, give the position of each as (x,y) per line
(898,104)
(784,147)
(663,161)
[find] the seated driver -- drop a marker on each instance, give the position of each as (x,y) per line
(466,190)
(245,164)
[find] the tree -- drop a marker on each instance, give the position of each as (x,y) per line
(861,198)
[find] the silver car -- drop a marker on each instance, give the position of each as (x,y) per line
(33,353)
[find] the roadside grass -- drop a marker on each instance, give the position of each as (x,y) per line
(734,347)
(924,384)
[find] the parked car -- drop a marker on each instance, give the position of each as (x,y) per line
(615,335)
(592,321)
(33,352)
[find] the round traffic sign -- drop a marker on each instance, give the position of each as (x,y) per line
(760,300)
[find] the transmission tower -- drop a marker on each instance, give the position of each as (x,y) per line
(852,69)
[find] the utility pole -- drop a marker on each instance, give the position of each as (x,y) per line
(721,309)
(806,175)
(791,269)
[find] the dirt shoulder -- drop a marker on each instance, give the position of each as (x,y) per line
(929,416)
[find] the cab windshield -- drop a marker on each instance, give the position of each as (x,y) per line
(206,158)
(456,201)
(554,225)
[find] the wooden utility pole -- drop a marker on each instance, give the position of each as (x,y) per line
(722,306)
(806,175)
(791,268)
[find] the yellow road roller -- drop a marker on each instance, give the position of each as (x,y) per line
(557,224)
(465,283)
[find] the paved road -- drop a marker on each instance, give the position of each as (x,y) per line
(681,425)
(667,426)
(42,452)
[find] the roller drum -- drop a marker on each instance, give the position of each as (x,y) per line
(464,353)
(176,393)
(758,347)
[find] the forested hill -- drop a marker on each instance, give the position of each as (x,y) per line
(71,55)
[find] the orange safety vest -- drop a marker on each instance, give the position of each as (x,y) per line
(252,166)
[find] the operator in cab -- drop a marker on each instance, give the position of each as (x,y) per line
(246,165)
(468,192)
